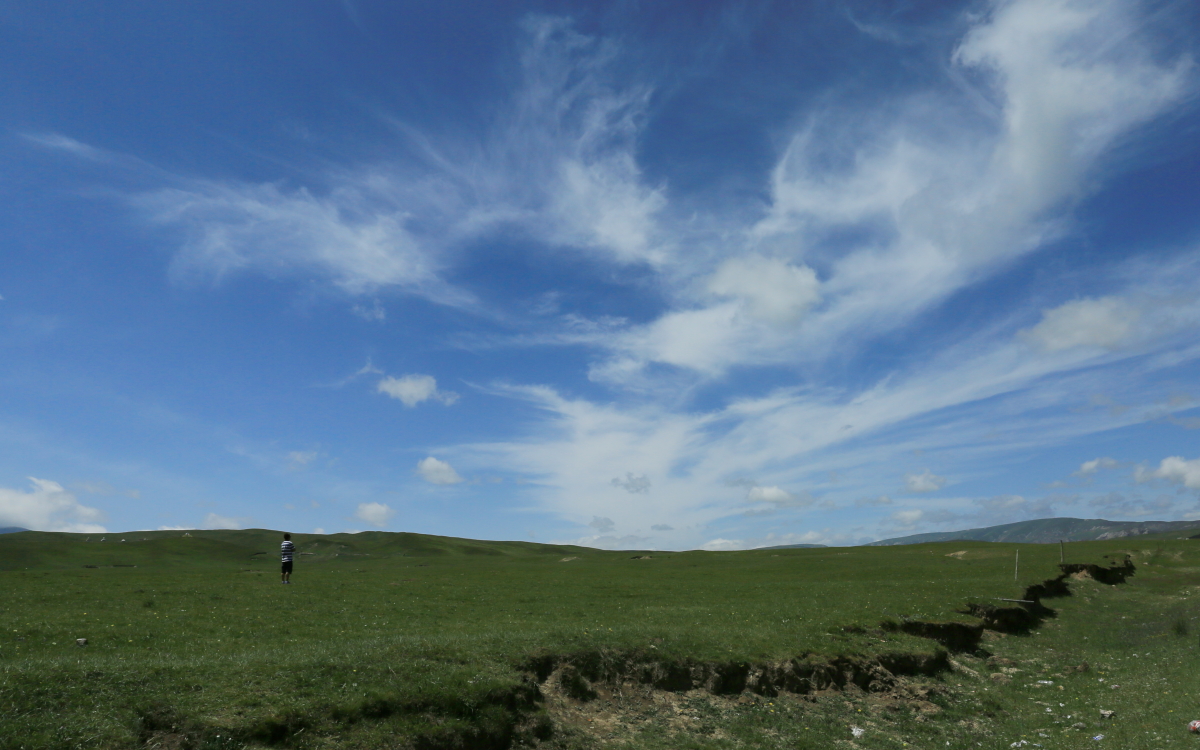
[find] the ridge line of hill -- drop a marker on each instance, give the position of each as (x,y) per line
(1049,531)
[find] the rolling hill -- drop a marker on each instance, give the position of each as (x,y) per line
(1050,530)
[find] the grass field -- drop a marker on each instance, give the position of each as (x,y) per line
(399,640)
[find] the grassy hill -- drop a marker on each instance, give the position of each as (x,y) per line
(1051,530)
(412,641)
(222,548)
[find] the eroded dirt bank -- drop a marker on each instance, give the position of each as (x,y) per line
(594,692)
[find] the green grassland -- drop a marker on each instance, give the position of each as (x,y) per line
(411,641)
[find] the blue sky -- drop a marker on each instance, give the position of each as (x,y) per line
(630,275)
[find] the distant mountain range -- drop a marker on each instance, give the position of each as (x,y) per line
(794,546)
(1049,530)
(11,529)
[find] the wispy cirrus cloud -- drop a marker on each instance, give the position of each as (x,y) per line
(873,216)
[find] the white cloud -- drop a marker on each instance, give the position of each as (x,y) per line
(937,195)
(437,472)
(376,514)
(558,165)
(1088,468)
(723,545)
(1107,322)
(602,525)
(770,288)
(943,197)
(234,227)
(703,340)
(778,497)
(48,507)
(898,207)
(633,483)
(825,537)
(214,521)
(602,204)
(576,127)
(768,495)
(608,541)
(1174,469)
(926,481)
(318,530)
(414,389)
(906,520)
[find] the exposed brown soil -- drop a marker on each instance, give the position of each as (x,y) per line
(618,710)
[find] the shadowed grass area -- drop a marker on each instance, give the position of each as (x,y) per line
(409,640)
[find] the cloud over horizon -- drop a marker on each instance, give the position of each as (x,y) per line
(48,507)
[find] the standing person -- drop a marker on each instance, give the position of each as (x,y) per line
(286,550)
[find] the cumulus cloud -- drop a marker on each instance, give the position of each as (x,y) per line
(46,506)
(661,527)
(411,390)
(376,514)
(1174,469)
(926,481)
(1107,322)
(633,483)
(1088,468)
(437,472)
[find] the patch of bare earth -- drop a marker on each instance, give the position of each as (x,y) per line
(616,712)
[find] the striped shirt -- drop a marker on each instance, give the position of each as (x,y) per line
(287,549)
